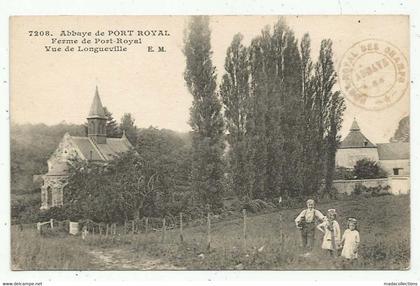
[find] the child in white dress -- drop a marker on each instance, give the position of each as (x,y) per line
(331,230)
(350,240)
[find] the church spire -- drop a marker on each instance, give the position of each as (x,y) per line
(97,120)
(96,109)
(354,125)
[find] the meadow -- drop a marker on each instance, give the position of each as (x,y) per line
(272,243)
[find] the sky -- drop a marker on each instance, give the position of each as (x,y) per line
(49,87)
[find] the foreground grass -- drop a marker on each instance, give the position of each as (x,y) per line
(32,252)
(273,243)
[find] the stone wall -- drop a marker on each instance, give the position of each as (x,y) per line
(398,184)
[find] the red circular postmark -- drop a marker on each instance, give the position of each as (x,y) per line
(373,74)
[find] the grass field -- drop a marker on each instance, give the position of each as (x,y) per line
(273,243)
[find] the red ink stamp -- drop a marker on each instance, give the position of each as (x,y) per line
(373,74)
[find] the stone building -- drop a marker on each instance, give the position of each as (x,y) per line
(394,158)
(96,147)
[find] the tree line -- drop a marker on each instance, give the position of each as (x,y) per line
(277,109)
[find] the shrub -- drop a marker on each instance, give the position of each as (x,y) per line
(376,191)
(342,173)
(368,169)
(257,205)
(25,208)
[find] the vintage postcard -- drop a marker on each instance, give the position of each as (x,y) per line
(210,142)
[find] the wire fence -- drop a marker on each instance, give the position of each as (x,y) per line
(86,229)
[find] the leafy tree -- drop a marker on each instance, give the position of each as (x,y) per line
(128,126)
(234,91)
(275,113)
(116,191)
(330,109)
(205,115)
(151,180)
(368,169)
(310,172)
(170,153)
(291,119)
(402,134)
(112,129)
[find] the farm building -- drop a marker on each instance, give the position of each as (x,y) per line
(394,158)
(96,147)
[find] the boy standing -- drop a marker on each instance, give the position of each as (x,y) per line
(306,222)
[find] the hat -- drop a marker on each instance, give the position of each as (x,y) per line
(332,212)
(352,220)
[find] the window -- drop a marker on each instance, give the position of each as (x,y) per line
(396,171)
(49,196)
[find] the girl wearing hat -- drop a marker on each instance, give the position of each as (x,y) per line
(331,230)
(350,240)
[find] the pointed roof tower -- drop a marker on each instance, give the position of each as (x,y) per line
(356,139)
(96,109)
(354,126)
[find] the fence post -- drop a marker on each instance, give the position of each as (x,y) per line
(208,231)
(244,229)
(52,223)
(181,235)
(163,230)
(125,227)
(281,224)
(107,230)
(146,228)
(132,227)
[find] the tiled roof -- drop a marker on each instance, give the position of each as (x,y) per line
(356,139)
(87,148)
(113,147)
(394,151)
(101,152)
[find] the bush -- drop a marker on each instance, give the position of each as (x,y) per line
(368,169)
(342,173)
(54,232)
(376,191)
(25,208)
(58,213)
(257,205)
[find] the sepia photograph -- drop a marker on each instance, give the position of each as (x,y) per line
(210,142)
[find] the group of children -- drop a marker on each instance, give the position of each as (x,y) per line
(332,242)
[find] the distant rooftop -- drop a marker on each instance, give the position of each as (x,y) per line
(394,151)
(356,139)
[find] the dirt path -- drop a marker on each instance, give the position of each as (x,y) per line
(123,259)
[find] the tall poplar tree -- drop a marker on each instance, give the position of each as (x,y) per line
(311,175)
(205,115)
(329,108)
(234,91)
